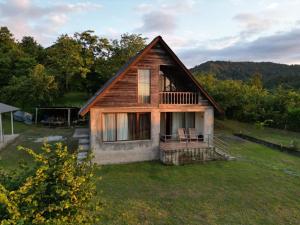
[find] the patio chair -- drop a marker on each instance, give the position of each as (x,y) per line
(181,134)
(193,134)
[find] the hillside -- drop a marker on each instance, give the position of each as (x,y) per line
(273,74)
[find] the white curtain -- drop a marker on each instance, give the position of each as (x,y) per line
(122,126)
(189,120)
(177,121)
(109,127)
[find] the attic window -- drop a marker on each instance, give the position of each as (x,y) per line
(144,86)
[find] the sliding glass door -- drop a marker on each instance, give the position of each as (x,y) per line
(174,120)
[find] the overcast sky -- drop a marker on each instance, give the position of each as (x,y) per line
(197,30)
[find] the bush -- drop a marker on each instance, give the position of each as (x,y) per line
(58,190)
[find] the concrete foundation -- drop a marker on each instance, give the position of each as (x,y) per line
(8,139)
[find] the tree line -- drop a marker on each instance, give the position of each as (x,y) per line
(273,74)
(31,75)
(249,101)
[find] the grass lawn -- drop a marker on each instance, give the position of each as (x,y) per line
(72,99)
(10,156)
(261,187)
(276,136)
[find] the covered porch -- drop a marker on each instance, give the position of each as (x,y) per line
(182,125)
(187,136)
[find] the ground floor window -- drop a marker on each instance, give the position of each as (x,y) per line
(126,126)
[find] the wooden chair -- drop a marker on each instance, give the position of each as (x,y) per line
(182,135)
(193,134)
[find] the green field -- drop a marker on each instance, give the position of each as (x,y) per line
(10,156)
(260,187)
(276,136)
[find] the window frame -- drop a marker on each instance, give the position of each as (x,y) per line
(138,86)
(136,130)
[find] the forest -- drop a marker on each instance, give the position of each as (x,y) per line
(32,75)
(250,101)
(273,74)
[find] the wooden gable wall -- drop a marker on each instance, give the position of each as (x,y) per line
(124,91)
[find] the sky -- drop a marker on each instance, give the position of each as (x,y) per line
(197,30)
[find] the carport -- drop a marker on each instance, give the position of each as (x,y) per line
(6,109)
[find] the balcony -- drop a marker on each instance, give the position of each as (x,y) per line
(181,98)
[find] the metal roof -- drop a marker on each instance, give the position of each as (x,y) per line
(7,108)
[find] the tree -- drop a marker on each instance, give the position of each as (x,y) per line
(256,80)
(65,61)
(33,90)
(7,40)
(32,48)
(250,102)
(112,55)
(58,191)
(9,53)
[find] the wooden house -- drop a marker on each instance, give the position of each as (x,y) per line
(152,108)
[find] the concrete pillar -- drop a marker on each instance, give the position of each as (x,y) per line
(208,125)
(95,128)
(155,127)
(199,122)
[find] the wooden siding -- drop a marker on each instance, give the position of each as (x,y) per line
(124,91)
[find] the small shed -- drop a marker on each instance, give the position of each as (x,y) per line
(58,116)
(6,109)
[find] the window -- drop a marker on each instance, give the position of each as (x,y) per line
(165,83)
(144,86)
(109,127)
(126,126)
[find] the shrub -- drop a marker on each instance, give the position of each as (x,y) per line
(58,191)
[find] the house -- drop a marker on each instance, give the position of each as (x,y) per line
(147,110)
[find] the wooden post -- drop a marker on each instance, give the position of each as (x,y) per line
(69,117)
(12,122)
(36,115)
(1,129)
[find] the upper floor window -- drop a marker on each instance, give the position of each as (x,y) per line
(143,86)
(165,83)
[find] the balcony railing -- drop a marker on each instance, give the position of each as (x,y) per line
(185,98)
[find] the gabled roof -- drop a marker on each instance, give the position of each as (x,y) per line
(135,59)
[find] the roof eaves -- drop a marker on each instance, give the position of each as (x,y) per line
(83,111)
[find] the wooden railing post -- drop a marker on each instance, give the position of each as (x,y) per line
(184,98)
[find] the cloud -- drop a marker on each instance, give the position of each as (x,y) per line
(253,24)
(158,21)
(280,47)
(26,17)
(161,18)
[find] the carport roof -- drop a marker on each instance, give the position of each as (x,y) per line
(7,108)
